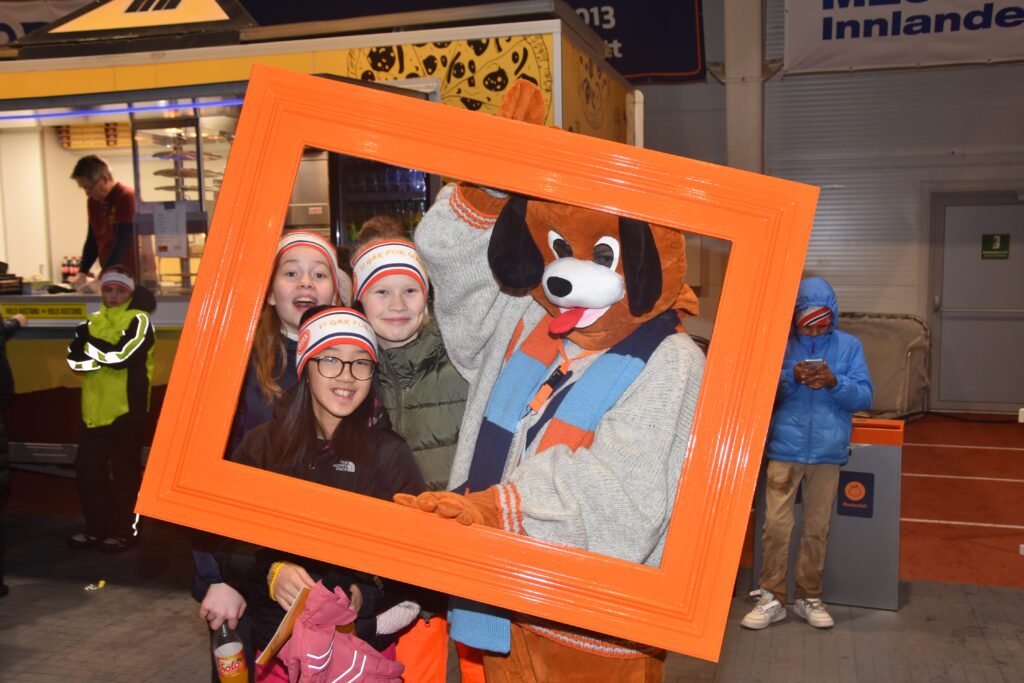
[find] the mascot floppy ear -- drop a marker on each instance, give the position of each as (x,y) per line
(514,257)
(641,265)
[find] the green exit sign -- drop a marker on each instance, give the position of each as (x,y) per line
(995,246)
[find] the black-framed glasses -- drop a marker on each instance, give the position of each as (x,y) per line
(92,185)
(331,367)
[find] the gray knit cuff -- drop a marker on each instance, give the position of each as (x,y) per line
(510,507)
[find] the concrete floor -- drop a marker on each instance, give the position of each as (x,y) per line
(142,626)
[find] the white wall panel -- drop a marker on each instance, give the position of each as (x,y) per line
(3,224)
(874,142)
(65,202)
(21,173)
(687,120)
(895,114)
(714,30)
(774,28)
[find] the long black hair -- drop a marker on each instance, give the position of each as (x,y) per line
(295,443)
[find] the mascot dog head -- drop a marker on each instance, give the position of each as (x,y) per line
(599,275)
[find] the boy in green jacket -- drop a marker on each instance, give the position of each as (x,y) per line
(113,349)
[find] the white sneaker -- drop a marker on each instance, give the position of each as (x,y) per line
(813,610)
(766,612)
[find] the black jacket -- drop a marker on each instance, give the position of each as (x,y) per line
(245,566)
(254,408)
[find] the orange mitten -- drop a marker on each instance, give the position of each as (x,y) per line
(524,101)
(482,201)
(472,508)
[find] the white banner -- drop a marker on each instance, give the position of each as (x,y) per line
(19,18)
(849,35)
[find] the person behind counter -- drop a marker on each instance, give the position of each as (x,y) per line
(111,207)
(8,328)
(113,349)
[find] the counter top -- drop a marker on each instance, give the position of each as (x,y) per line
(76,297)
(68,310)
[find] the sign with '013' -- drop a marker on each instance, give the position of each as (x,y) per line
(850,35)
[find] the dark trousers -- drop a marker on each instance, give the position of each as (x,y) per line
(109,471)
(3,541)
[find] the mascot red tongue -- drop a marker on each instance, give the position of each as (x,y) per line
(566,321)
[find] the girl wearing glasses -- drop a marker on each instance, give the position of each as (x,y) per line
(306,275)
(424,397)
(325,432)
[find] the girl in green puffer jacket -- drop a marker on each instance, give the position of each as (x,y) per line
(424,397)
(422,392)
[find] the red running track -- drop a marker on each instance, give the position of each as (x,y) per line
(962,502)
(962,517)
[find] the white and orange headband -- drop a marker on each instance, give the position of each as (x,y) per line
(381,259)
(116,277)
(305,238)
(332,327)
(814,316)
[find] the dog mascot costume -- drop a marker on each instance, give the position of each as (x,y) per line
(582,394)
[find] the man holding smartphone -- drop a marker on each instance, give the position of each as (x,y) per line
(824,380)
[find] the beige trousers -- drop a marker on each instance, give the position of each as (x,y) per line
(819,494)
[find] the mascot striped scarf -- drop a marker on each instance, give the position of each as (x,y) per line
(571,417)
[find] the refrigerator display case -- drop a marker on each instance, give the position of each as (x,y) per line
(179,162)
(179,158)
(335,194)
(363,189)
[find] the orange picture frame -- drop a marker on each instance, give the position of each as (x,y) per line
(682,605)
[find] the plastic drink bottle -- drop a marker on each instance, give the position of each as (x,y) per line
(227,651)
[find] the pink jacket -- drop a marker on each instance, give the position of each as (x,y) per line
(318,653)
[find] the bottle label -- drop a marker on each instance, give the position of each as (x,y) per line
(231,662)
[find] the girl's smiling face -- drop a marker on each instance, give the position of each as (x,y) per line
(303,279)
(396,307)
(338,397)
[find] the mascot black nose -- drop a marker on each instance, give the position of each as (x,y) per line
(559,286)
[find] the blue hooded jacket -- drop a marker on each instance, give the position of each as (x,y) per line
(813,425)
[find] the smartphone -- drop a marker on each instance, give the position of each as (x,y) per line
(814,363)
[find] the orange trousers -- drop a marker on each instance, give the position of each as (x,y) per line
(423,649)
(536,659)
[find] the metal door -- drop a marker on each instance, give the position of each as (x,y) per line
(978,302)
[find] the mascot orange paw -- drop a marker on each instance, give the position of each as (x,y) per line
(524,101)
(472,508)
